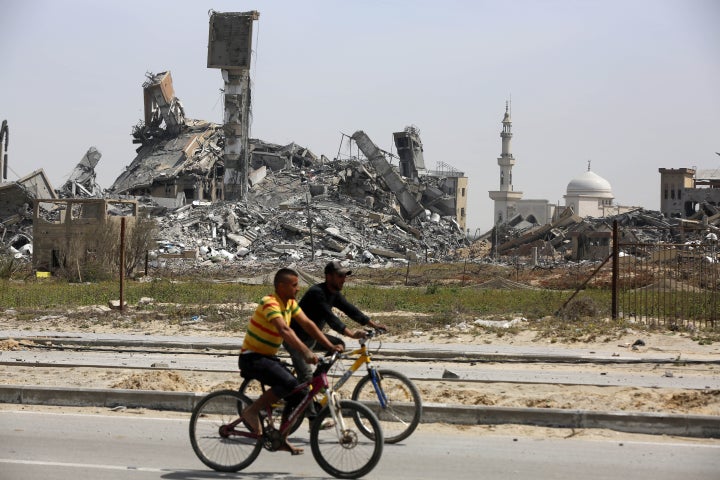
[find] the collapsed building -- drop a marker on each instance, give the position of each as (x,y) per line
(82,182)
(16,206)
(571,237)
(180,172)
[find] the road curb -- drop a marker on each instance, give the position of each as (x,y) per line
(388,352)
(700,426)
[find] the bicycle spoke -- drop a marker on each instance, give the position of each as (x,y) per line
(403,406)
(347,452)
(218,439)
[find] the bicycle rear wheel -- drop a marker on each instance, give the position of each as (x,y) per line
(220,447)
(403,410)
(346,453)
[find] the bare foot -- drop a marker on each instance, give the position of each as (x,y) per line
(287,447)
(252,422)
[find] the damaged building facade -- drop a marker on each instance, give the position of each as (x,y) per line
(445,188)
(179,159)
(16,207)
(685,192)
(72,232)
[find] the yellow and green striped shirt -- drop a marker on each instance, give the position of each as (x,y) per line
(261,335)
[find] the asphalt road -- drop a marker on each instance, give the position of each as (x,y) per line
(42,445)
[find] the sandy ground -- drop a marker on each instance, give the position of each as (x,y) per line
(698,402)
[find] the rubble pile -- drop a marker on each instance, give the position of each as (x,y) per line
(571,237)
(16,213)
(300,215)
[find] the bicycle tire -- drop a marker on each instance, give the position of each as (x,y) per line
(354,454)
(217,449)
(403,411)
(252,389)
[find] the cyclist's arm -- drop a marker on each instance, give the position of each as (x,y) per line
(353,312)
(310,327)
(289,336)
(322,309)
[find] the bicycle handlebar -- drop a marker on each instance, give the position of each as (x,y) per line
(374,332)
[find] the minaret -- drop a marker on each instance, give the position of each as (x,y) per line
(505,198)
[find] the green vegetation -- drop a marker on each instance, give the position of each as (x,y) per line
(434,296)
(50,293)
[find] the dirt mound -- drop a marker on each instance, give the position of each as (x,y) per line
(9,344)
(160,380)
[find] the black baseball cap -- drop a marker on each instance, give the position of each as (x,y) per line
(336,267)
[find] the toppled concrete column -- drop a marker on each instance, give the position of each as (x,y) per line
(409,206)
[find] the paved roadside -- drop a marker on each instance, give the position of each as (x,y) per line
(651,423)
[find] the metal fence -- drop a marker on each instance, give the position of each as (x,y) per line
(666,283)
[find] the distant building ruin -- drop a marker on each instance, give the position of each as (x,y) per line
(230,49)
(685,191)
(445,189)
(70,232)
(179,159)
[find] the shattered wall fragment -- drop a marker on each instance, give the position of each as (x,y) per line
(81,182)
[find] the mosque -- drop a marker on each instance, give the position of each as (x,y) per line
(588,195)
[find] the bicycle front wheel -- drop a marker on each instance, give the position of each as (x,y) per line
(341,450)
(403,406)
(219,440)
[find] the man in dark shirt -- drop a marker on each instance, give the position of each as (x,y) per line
(318,303)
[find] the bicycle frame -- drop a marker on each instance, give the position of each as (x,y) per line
(363,358)
(318,385)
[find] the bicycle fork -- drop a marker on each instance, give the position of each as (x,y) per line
(375,379)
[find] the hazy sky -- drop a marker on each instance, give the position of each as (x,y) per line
(631,85)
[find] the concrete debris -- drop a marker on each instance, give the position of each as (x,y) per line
(81,183)
(16,213)
(283,222)
(572,238)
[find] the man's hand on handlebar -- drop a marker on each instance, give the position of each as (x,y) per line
(377,326)
(358,334)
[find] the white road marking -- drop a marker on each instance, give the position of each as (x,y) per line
(83,465)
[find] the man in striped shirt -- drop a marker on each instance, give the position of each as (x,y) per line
(269,327)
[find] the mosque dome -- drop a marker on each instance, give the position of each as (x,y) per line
(589,183)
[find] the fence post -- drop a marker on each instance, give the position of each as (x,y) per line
(615,270)
(122,263)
